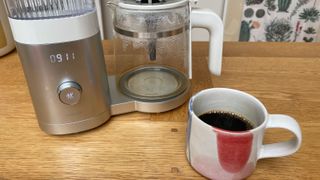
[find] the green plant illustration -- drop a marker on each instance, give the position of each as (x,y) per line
(299,4)
(248,13)
(271,6)
(246,27)
(308,39)
(279,30)
(283,5)
(310,14)
(310,30)
(252,2)
(245,31)
(260,13)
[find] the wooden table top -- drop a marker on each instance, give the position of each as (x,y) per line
(285,77)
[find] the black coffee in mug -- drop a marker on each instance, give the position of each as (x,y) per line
(226,120)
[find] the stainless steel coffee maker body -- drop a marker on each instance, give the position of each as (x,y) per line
(67,83)
(59,46)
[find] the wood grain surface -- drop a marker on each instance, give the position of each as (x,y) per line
(152,146)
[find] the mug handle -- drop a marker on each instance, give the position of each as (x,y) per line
(282,148)
(207,19)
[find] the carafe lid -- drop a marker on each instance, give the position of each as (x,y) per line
(151,4)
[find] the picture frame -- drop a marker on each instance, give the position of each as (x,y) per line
(232,15)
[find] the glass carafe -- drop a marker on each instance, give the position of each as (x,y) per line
(152,46)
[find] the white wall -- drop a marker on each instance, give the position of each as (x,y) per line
(217,6)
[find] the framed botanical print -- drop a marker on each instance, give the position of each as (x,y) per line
(273,20)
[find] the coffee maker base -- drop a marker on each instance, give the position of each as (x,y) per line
(75,127)
(121,104)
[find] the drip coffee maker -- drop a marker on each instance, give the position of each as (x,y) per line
(60,48)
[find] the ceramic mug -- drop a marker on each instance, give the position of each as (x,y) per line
(221,154)
(6,39)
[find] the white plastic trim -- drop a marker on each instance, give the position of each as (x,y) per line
(58,30)
(99,14)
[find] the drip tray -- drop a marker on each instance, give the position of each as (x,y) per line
(153,83)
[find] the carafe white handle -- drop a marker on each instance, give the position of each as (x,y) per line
(207,19)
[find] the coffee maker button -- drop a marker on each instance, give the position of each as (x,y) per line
(69,93)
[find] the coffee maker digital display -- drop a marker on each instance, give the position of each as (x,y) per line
(62,57)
